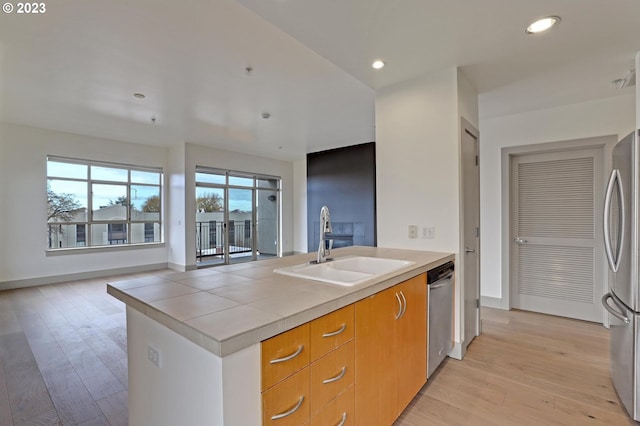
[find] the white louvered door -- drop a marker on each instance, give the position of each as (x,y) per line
(556,245)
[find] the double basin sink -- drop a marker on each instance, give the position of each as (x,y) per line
(346,271)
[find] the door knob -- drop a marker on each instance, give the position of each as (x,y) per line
(520,240)
(469,250)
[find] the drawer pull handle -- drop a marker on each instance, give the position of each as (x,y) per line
(338,377)
(399,314)
(404,300)
(290,412)
(335,333)
(289,357)
(344,419)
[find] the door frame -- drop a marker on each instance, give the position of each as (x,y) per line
(605,143)
(255,189)
(460,350)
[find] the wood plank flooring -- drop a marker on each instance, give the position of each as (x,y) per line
(525,369)
(63,362)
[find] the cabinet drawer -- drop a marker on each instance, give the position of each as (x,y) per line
(331,330)
(288,400)
(340,411)
(332,375)
(284,354)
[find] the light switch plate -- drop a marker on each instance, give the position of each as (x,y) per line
(413,231)
(429,232)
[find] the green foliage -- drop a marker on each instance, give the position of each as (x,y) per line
(121,200)
(208,203)
(152,204)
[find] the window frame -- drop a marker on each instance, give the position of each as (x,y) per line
(90,220)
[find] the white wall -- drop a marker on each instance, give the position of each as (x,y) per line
(417,165)
(198,155)
(589,119)
(23,151)
(175,228)
(417,162)
(467,100)
(23,177)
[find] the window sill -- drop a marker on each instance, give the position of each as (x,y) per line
(101,249)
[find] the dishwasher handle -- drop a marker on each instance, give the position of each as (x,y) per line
(442,282)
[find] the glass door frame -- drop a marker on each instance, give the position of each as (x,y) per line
(229,180)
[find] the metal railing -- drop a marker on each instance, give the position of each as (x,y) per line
(210,238)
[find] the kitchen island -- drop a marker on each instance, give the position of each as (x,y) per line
(193,338)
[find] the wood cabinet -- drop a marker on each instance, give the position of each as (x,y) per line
(363,363)
(391,351)
(287,403)
(308,372)
(284,354)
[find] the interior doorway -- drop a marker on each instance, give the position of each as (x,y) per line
(469,274)
(556,232)
(237,217)
(529,265)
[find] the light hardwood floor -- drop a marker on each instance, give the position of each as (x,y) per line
(525,369)
(63,362)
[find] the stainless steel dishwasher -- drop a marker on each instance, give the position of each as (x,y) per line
(440,324)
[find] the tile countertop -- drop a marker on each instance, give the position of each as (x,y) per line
(228,308)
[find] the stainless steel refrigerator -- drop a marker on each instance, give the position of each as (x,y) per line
(621,234)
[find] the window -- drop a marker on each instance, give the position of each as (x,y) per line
(101,204)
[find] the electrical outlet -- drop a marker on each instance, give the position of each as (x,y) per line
(429,232)
(413,231)
(153,355)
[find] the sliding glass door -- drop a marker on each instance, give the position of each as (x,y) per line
(240,224)
(237,216)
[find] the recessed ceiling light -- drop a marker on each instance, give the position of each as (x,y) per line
(139,95)
(542,24)
(377,64)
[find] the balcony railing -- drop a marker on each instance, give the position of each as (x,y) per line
(210,238)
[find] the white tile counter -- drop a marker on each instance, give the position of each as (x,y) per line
(228,308)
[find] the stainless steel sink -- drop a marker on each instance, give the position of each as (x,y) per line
(345,271)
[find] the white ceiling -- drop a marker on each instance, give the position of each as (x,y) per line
(75,68)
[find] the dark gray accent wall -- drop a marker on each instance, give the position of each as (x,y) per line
(343,179)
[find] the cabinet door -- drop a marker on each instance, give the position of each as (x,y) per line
(376,359)
(412,339)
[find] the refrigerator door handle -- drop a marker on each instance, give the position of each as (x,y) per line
(610,309)
(614,180)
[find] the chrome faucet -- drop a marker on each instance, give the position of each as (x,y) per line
(325,228)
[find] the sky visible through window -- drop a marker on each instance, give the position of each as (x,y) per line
(103,194)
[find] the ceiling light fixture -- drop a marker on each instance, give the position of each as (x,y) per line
(377,64)
(542,24)
(266,115)
(139,95)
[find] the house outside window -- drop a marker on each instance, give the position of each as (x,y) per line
(92,204)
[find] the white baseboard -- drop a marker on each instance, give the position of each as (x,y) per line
(458,351)
(491,302)
(181,268)
(32,282)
